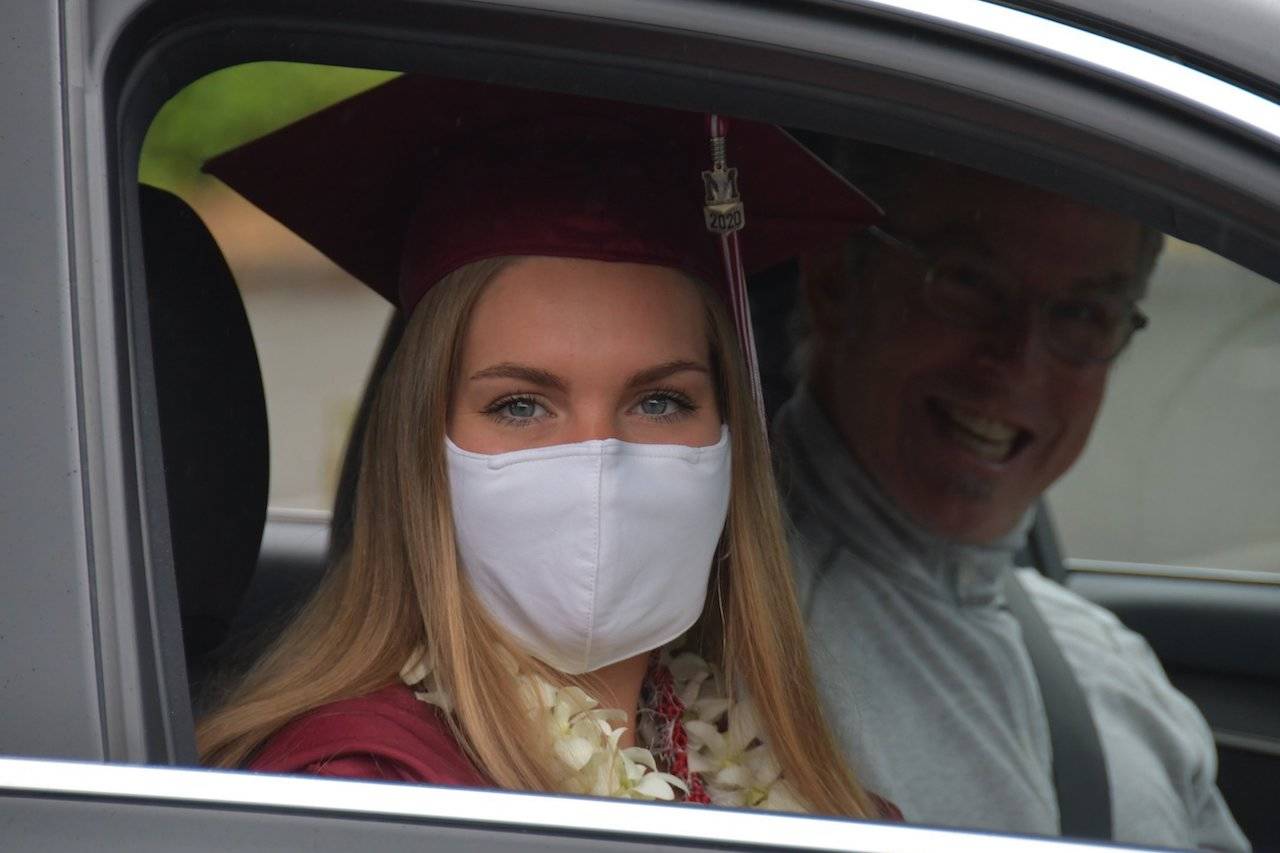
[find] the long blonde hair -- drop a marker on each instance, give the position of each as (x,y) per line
(400,585)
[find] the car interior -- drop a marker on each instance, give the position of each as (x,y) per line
(240,571)
(153,550)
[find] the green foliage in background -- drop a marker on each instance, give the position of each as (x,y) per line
(232,106)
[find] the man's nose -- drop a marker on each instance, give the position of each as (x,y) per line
(1016,341)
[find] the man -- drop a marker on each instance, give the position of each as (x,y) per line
(956,364)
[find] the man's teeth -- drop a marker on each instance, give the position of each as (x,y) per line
(989,438)
(984,427)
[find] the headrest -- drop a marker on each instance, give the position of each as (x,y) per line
(213,417)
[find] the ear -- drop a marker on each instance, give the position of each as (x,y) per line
(824,275)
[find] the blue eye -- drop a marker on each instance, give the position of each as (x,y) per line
(657,406)
(517,411)
(664,405)
(521,409)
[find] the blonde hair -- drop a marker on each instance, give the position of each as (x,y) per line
(400,585)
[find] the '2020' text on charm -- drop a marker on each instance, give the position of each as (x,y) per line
(723,208)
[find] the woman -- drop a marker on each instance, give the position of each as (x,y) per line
(563,470)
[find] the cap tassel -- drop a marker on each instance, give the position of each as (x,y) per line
(725,216)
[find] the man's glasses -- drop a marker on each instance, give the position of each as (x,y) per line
(1079,328)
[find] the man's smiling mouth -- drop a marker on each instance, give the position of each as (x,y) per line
(987,438)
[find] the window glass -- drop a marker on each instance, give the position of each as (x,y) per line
(1181,466)
(316,330)
(1173,472)
(1175,469)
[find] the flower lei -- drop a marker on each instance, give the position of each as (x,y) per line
(709,749)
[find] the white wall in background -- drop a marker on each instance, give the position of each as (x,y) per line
(1184,464)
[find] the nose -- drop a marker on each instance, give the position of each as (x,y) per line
(1016,342)
(593,423)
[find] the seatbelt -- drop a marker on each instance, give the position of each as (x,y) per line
(1042,546)
(1079,770)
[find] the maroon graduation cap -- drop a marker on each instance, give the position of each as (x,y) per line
(409,181)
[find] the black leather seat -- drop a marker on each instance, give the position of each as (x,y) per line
(213,422)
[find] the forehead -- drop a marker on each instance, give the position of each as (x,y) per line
(580,313)
(1040,236)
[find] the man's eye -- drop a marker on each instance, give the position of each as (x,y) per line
(1088,312)
(963,292)
(963,278)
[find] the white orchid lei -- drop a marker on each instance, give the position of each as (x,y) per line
(714,747)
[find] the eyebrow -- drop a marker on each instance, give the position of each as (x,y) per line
(511,370)
(962,235)
(957,235)
(662,371)
(1112,284)
(547,379)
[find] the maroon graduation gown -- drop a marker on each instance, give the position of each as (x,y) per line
(388,735)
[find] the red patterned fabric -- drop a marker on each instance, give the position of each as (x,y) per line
(671,743)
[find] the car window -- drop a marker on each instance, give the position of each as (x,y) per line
(1185,418)
(316,330)
(101,504)
(316,333)
(1179,470)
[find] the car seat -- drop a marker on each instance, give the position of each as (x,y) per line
(212,418)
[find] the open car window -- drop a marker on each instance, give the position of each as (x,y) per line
(315,328)
(1176,479)
(317,333)
(1187,417)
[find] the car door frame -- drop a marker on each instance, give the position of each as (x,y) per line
(893,72)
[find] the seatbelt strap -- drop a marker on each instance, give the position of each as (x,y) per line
(1079,770)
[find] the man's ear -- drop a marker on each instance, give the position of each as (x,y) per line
(824,275)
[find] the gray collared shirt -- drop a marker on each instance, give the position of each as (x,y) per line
(930,688)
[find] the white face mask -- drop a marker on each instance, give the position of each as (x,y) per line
(594,552)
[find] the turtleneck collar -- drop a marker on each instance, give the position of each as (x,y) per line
(819,470)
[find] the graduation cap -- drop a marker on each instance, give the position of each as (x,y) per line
(409,181)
